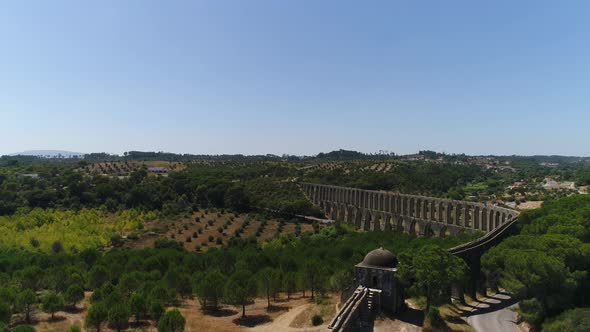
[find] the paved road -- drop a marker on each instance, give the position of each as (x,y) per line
(494,315)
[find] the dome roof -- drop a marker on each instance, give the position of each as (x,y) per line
(381,258)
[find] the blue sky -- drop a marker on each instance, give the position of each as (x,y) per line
(296,77)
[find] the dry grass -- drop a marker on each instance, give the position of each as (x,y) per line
(451,314)
(530,205)
(228,318)
(326,309)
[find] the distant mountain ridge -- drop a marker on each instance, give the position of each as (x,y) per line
(48,153)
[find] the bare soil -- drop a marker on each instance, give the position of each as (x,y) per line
(181,229)
(228,318)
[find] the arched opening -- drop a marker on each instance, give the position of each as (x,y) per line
(414,229)
(368,221)
(428,231)
(399,225)
(358,218)
(377,223)
(388,224)
(444,232)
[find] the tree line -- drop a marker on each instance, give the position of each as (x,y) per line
(138,284)
(546,266)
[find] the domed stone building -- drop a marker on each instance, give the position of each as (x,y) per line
(377,271)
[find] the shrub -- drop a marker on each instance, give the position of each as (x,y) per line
(195,234)
(211,222)
(316,320)
(172,321)
(24,328)
(434,320)
(211,238)
(219,229)
(5,313)
(56,247)
(574,320)
(74,328)
(188,239)
(34,242)
(180,231)
(219,241)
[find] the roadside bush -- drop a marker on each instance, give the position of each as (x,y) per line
(575,320)
(434,321)
(23,328)
(316,320)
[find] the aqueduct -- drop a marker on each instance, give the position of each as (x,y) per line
(418,215)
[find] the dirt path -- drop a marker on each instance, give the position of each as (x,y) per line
(281,323)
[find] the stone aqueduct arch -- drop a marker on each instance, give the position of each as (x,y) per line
(388,211)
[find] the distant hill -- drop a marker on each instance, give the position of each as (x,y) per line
(49,153)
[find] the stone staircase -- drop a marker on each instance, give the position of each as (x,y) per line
(358,312)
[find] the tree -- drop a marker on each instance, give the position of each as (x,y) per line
(574,320)
(269,282)
(172,321)
(138,305)
(5,313)
(290,283)
(340,280)
(240,289)
(183,285)
(23,328)
(118,316)
(313,273)
(52,302)
(74,294)
(156,309)
(97,314)
(236,199)
(56,247)
(30,277)
(210,288)
(9,296)
(431,271)
(97,276)
(25,300)
(129,282)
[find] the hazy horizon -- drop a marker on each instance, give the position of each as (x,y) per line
(295,78)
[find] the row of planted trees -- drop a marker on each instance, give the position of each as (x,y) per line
(136,285)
